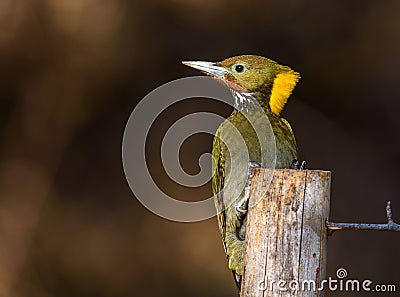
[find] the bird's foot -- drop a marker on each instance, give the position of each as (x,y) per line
(296,165)
(242,206)
(255,164)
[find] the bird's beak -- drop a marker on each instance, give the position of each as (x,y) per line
(209,68)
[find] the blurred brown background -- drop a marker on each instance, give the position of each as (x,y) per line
(71,72)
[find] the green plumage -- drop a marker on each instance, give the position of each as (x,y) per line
(232,228)
(271,85)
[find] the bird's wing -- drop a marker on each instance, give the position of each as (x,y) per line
(218,185)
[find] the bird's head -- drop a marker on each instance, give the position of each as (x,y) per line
(270,83)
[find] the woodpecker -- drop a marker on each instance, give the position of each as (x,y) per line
(249,78)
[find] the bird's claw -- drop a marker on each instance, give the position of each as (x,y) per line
(240,210)
(255,164)
(242,206)
(296,165)
(251,166)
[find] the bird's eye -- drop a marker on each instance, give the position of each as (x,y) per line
(239,68)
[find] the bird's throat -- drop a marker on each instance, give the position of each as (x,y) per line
(243,100)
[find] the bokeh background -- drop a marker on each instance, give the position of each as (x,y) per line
(71,73)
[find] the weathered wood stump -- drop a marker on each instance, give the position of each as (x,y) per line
(286,235)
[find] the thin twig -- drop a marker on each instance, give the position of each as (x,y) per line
(390,226)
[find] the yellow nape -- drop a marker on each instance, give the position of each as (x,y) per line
(283,86)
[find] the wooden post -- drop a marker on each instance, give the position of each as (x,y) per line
(286,234)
